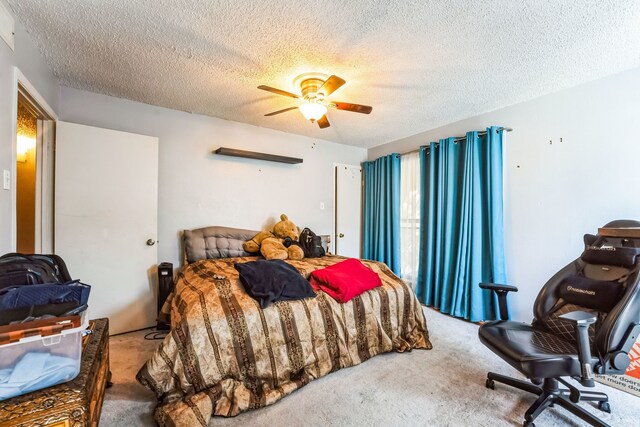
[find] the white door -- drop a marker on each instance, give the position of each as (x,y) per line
(348,210)
(106,207)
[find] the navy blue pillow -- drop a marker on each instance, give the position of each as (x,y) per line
(267,281)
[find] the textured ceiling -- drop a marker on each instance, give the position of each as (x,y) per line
(420,64)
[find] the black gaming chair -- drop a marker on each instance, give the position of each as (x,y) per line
(586,319)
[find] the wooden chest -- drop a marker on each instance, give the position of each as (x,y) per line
(76,403)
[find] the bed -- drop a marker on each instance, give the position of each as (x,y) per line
(225,355)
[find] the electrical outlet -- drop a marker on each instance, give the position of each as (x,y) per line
(321,206)
(6,181)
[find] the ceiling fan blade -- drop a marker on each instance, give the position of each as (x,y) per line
(330,85)
(356,108)
(323,122)
(281,111)
(278,91)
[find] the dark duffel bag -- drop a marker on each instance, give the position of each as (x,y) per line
(23,296)
(22,269)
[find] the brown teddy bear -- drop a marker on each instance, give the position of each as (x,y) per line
(253,246)
(271,244)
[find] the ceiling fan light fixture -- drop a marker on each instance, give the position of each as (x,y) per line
(313,111)
(314,88)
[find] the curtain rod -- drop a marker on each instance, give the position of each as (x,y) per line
(460,138)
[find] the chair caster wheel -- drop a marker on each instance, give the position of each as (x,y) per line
(604,407)
(490,384)
(528,424)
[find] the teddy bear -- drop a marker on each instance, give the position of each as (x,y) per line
(281,243)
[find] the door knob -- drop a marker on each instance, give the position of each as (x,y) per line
(151,242)
(341,235)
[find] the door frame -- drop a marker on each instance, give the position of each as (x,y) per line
(45,149)
(334,237)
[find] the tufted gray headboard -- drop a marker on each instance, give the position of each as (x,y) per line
(215,242)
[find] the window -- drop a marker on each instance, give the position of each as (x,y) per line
(409,217)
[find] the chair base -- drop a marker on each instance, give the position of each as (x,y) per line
(549,394)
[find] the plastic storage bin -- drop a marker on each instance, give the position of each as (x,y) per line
(35,362)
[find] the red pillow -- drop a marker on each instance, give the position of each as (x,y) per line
(345,280)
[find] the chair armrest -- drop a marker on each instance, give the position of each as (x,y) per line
(579,318)
(498,287)
(501,291)
(581,321)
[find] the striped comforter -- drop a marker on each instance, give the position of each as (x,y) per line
(225,355)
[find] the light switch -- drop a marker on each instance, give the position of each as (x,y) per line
(6,180)
(321,206)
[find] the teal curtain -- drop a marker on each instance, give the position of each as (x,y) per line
(381,240)
(462,236)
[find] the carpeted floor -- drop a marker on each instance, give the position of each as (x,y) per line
(441,387)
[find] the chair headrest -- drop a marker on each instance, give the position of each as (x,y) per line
(612,251)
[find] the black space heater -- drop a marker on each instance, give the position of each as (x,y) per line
(165,286)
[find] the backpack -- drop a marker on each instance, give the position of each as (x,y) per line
(34,269)
(311,244)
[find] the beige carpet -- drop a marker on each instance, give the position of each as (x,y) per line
(441,387)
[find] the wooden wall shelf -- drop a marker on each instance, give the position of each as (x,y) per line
(255,155)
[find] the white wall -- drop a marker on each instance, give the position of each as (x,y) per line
(557,191)
(27,58)
(197,188)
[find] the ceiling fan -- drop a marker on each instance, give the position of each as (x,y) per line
(314,89)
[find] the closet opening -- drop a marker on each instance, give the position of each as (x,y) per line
(33,175)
